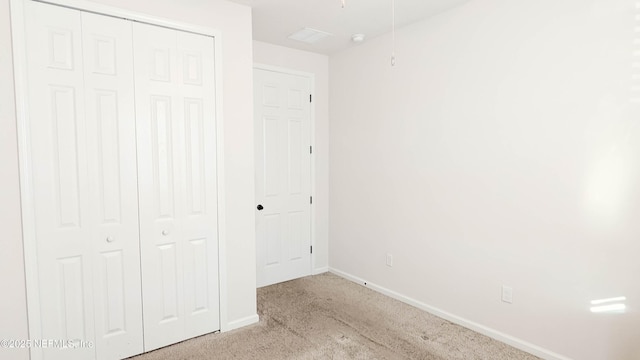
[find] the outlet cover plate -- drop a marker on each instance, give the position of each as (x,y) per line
(507,294)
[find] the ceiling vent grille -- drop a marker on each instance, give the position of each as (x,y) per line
(309,35)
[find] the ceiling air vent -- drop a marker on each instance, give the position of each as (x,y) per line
(309,35)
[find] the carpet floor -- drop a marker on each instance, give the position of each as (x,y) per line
(328,317)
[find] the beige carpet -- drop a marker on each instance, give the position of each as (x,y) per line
(327,317)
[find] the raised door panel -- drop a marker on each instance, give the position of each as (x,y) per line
(111,133)
(196,95)
(159,132)
(177,173)
(58,174)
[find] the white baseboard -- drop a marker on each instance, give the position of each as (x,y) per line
(321,270)
(507,339)
(236,324)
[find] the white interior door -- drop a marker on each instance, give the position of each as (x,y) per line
(175,107)
(283,175)
(113,191)
(82,154)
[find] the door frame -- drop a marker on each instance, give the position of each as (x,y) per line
(18,37)
(312,141)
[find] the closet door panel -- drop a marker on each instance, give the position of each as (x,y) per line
(160,147)
(196,84)
(58,170)
(111,133)
(176,138)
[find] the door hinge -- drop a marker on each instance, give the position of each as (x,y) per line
(310,98)
(310,199)
(310,149)
(311,249)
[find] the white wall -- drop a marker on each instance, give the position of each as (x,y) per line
(502,149)
(234,22)
(318,65)
(13,303)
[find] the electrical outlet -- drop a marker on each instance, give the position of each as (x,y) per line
(507,294)
(389,260)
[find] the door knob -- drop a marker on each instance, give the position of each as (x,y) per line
(260,207)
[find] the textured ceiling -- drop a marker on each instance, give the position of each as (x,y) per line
(275,20)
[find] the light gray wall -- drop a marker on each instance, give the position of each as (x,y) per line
(13,305)
(318,65)
(504,148)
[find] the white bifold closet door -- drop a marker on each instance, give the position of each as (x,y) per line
(121,169)
(82,142)
(175,106)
